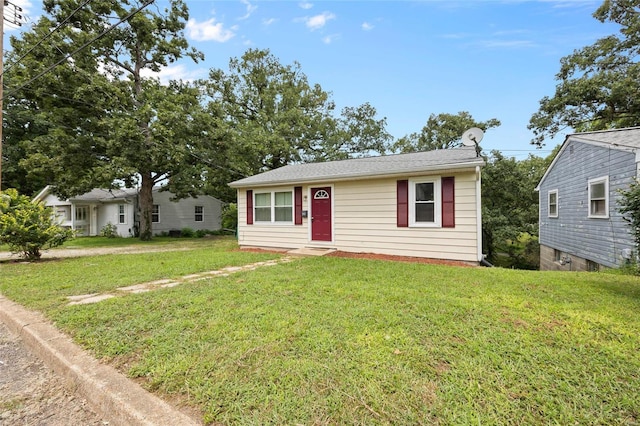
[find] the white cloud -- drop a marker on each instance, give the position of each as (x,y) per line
(319,21)
(269,21)
(250,8)
(367,26)
(330,38)
(209,30)
(175,72)
(306,5)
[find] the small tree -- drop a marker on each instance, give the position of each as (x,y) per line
(630,209)
(28,227)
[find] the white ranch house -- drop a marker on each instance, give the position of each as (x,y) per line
(425,204)
(89,213)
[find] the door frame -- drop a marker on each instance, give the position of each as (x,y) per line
(310,198)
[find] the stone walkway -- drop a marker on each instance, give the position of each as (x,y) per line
(84,299)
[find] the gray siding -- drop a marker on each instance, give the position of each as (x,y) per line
(181,214)
(573,232)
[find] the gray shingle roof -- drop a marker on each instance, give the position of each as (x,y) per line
(99,194)
(618,138)
(358,168)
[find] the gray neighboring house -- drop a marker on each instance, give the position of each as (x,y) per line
(89,213)
(581,228)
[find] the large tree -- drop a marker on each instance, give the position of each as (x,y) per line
(273,117)
(442,131)
(98,118)
(599,85)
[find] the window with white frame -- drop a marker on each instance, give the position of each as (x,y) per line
(155,214)
(599,197)
(273,207)
(122,217)
(82,212)
(424,202)
(199,213)
(553,203)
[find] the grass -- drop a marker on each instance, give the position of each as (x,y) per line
(334,341)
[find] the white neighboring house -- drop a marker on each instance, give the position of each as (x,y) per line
(89,213)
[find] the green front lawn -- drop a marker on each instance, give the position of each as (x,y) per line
(342,341)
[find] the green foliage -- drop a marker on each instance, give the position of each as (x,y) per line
(442,131)
(96,119)
(187,232)
(28,227)
(109,231)
(510,207)
(629,206)
(230,216)
(598,84)
(271,116)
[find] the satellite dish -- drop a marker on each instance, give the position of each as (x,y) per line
(472,137)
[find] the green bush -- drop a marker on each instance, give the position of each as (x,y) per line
(200,233)
(230,216)
(109,231)
(28,227)
(187,233)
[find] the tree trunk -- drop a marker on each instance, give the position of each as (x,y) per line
(146,207)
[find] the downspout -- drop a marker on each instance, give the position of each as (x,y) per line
(481,259)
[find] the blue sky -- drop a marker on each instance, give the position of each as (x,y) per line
(409,59)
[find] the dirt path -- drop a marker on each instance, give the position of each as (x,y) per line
(79,252)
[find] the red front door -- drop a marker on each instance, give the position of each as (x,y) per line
(321,214)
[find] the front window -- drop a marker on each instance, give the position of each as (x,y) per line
(553,203)
(122,219)
(599,197)
(424,196)
(199,213)
(155,213)
(274,207)
(81,213)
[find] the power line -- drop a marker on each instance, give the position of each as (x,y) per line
(60,25)
(66,57)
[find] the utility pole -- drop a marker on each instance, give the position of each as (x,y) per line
(15,19)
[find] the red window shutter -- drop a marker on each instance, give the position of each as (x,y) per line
(249,207)
(403,203)
(448,202)
(297,195)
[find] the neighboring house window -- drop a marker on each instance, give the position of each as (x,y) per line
(424,202)
(557,255)
(122,218)
(599,197)
(592,266)
(155,213)
(81,213)
(553,203)
(199,213)
(274,207)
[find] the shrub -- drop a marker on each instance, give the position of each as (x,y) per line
(109,231)
(201,233)
(230,216)
(187,233)
(28,227)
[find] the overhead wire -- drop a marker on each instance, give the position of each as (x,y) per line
(43,39)
(83,46)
